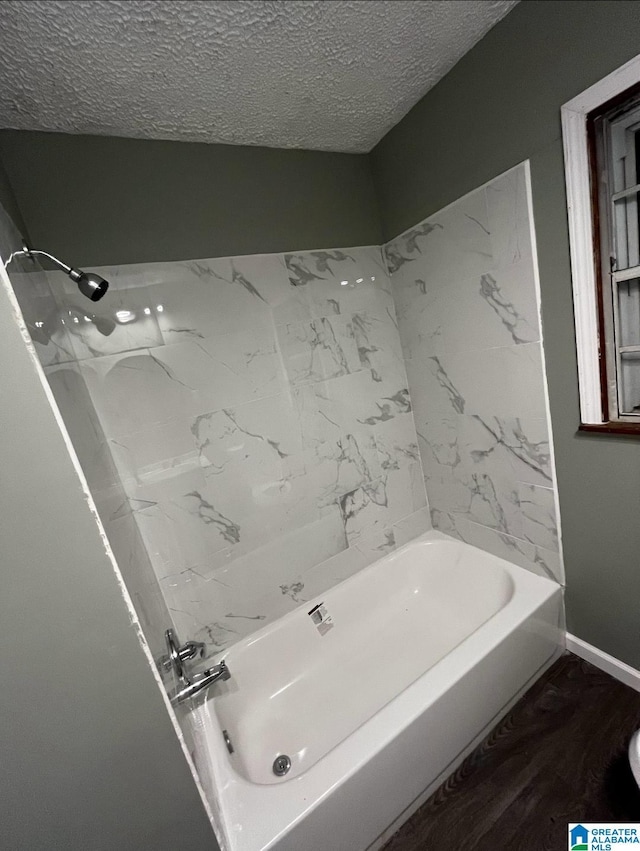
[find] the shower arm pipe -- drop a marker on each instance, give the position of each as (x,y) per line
(74,274)
(90,284)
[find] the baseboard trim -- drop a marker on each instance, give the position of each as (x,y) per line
(609,664)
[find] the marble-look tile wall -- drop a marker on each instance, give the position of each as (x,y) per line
(468,314)
(256,410)
(246,424)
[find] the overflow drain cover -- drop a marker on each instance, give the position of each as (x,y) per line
(281,765)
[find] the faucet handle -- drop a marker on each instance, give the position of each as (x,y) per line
(191,649)
(180,653)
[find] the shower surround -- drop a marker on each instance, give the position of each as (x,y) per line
(467,301)
(257,411)
(259,428)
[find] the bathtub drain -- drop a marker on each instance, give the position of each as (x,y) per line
(227,741)
(281,765)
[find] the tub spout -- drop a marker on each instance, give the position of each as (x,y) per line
(200,682)
(177,657)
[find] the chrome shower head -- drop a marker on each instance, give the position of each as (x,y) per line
(91,286)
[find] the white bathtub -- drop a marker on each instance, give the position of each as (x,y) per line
(422,653)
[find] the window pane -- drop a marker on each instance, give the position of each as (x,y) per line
(628,313)
(629,383)
(625,230)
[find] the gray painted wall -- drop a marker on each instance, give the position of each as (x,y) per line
(497,107)
(104,201)
(89,757)
(8,201)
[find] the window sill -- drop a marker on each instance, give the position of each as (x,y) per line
(612,428)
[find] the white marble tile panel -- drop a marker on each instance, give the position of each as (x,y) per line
(433,393)
(378,344)
(411,527)
(539,516)
(340,465)
(469,444)
(329,409)
(265,570)
(180,523)
(508,219)
(153,452)
(224,604)
(538,560)
(422,309)
(374,507)
(132,390)
(494,503)
(349,402)
(387,399)
(83,425)
(256,467)
(397,442)
(226,371)
(499,445)
(451,244)
(245,366)
(203,298)
(499,382)
(269,277)
(198,607)
(369,548)
(416,484)
(265,508)
(365,509)
(319,350)
(448,492)
(488,311)
(490,501)
(377,545)
(439,444)
(327,574)
(468,316)
(259,435)
(343,282)
(323,270)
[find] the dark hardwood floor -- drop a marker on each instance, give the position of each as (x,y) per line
(558,756)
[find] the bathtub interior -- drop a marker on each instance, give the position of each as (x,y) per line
(298,690)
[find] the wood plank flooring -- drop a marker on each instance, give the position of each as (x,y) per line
(558,756)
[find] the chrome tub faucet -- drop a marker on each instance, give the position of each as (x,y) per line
(189,685)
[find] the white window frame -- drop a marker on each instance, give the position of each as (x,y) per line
(583,272)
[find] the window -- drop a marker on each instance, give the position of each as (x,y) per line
(601,133)
(614,149)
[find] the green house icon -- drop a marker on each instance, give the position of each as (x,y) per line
(579,837)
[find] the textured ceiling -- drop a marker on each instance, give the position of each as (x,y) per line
(284,73)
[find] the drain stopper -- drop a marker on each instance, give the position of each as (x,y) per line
(281,765)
